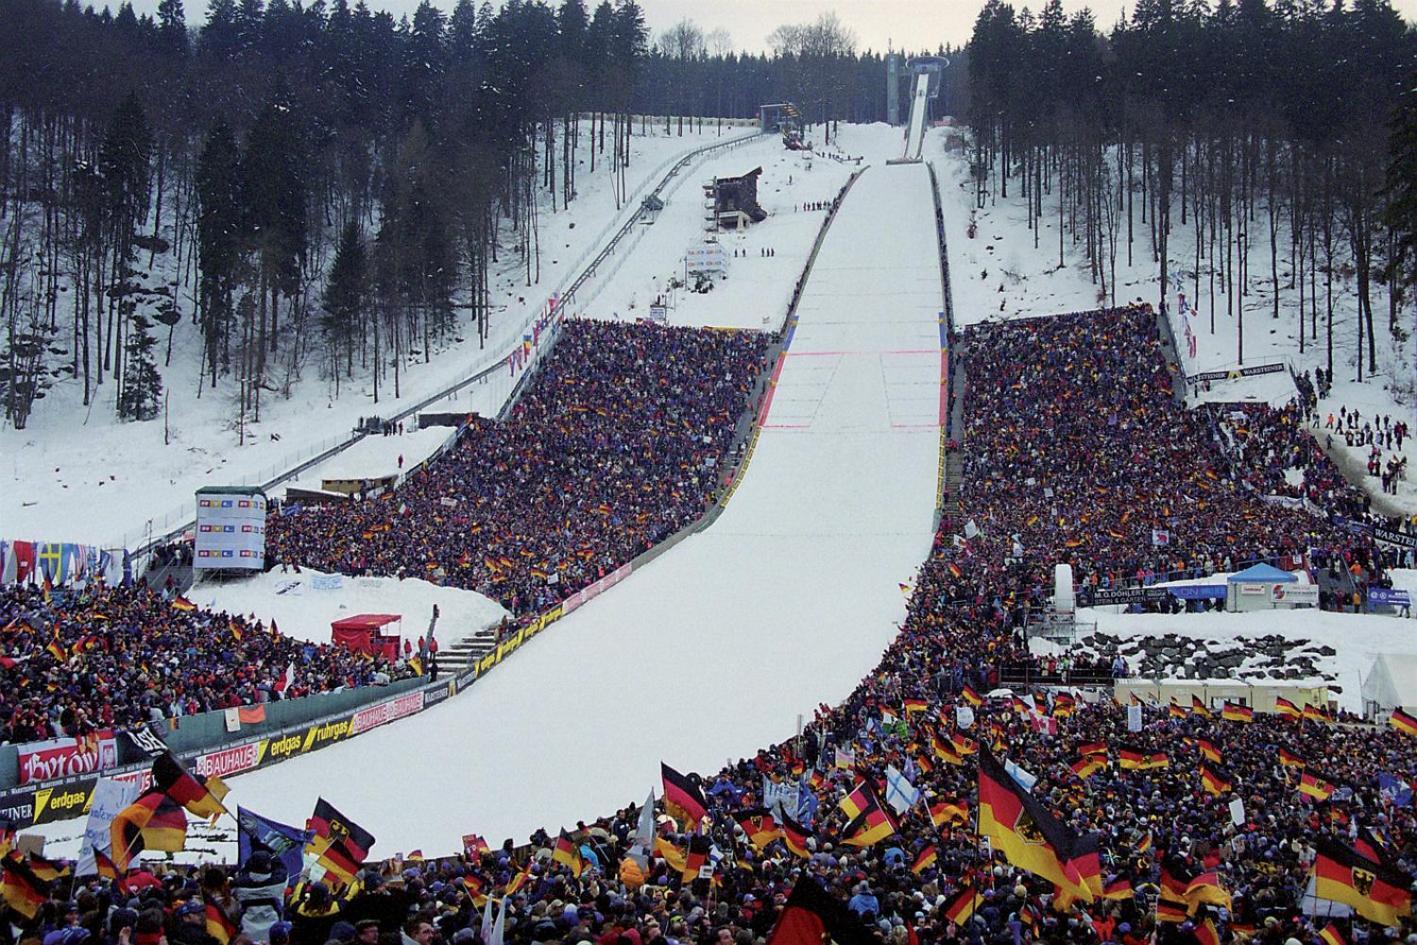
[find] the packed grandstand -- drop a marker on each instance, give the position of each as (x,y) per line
(929,806)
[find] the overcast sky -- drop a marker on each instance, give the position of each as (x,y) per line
(912,24)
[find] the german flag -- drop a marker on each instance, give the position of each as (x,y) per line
(811,916)
(1205,932)
(183,604)
(1172,912)
(1403,722)
(758,825)
(682,797)
(962,906)
(1208,750)
(1131,759)
(1027,834)
(1157,759)
(954,570)
(862,798)
(1376,892)
(870,827)
(816,780)
(1119,889)
(1199,707)
(1175,710)
(1204,889)
(963,743)
(924,763)
(1372,846)
(944,750)
(1214,781)
(1288,759)
(21,889)
(1064,705)
(675,857)
(569,855)
(1332,936)
(219,926)
(104,864)
(56,651)
(794,837)
(972,697)
(1236,712)
(696,859)
(913,706)
(517,881)
(1088,765)
(1316,713)
(201,796)
(476,888)
(1174,879)
(46,870)
(1315,786)
(947,810)
(1287,709)
(153,822)
(339,844)
(925,859)
(1092,748)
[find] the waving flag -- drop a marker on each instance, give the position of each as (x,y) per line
(682,797)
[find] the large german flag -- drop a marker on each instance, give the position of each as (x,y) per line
(795,836)
(1206,933)
(1316,713)
(758,825)
(1199,707)
(1288,759)
(675,857)
(339,844)
(1376,892)
(1088,765)
(1237,712)
(21,889)
(944,750)
(1092,748)
(1374,847)
(696,859)
(1403,722)
(1028,835)
(1119,889)
(1131,759)
(1287,709)
(153,822)
(201,796)
(682,797)
(972,697)
(1204,889)
(811,916)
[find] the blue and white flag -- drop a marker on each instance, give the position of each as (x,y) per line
(900,793)
(282,841)
(1024,778)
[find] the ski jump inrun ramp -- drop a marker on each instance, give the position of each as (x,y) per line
(919,109)
(715,648)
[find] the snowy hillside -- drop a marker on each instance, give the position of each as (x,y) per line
(77,474)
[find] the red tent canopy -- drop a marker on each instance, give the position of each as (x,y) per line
(362,632)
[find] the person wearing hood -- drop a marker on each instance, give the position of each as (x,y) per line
(260,889)
(313,914)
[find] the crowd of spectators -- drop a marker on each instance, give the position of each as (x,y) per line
(1071,434)
(619,442)
(77,661)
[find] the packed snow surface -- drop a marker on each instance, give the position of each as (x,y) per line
(717,647)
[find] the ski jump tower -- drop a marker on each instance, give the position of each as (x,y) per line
(927,74)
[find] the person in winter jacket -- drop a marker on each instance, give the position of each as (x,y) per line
(313,914)
(190,927)
(260,888)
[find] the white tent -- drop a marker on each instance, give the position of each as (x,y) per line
(1392,682)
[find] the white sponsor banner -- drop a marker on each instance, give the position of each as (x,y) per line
(1298,595)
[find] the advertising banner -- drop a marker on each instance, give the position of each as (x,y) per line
(1295,595)
(109,797)
(231,530)
(1108,596)
(67,757)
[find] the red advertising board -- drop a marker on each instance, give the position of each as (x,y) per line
(67,757)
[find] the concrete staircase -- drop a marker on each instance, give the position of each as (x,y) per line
(468,650)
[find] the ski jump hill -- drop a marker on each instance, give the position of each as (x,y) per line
(790,595)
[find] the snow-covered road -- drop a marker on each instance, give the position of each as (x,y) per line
(712,650)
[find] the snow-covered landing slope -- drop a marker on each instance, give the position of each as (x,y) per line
(711,651)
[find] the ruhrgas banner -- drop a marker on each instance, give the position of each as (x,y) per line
(66,757)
